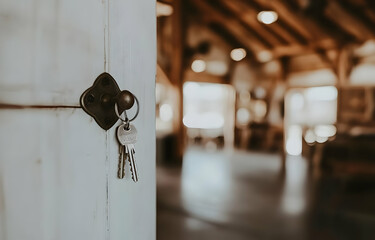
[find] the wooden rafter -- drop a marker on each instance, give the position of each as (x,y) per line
(251,43)
(331,63)
(314,14)
(231,25)
(280,28)
(297,31)
(248,17)
(347,21)
(298,49)
(363,10)
(224,34)
(297,22)
(178,27)
(370,4)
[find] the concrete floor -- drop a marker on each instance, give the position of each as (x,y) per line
(239,195)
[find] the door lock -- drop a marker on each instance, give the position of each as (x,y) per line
(104,98)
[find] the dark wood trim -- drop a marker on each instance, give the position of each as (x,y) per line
(177,69)
(20,106)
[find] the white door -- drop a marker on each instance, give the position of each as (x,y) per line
(57,166)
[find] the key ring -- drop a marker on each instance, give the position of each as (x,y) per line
(127,120)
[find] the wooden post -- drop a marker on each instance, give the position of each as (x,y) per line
(177,71)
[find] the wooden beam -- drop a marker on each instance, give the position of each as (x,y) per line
(204,77)
(344,66)
(335,31)
(315,13)
(178,43)
(223,33)
(177,70)
(228,14)
(287,32)
(370,4)
(362,13)
(237,30)
(248,17)
(370,14)
(360,7)
(298,49)
(331,63)
(277,52)
(364,9)
(302,25)
(347,21)
(279,28)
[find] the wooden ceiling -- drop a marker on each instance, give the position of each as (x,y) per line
(303,26)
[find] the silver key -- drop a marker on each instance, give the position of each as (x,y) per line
(121,163)
(127,138)
(133,166)
(122,158)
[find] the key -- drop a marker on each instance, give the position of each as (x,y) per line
(133,167)
(121,163)
(128,138)
(122,159)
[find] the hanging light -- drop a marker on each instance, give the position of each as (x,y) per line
(267,17)
(198,66)
(238,54)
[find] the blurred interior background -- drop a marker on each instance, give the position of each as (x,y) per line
(266,119)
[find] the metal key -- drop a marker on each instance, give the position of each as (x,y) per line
(122,157)
(121,163)
(127,138)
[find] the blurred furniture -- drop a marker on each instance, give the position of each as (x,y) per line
(349,154)
(260,137)
(353,149)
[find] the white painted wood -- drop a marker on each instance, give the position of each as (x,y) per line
(57,166)
(132,61)
(50,50)
(52,175)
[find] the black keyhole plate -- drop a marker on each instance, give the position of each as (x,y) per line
(99,100)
